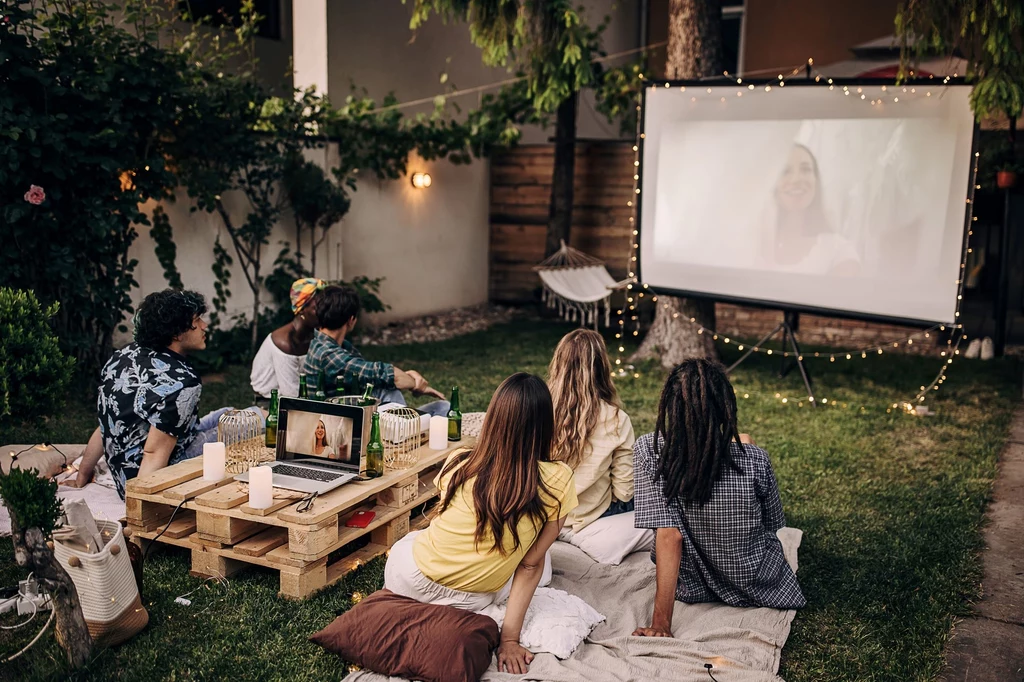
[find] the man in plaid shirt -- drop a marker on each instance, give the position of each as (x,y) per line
(333,354)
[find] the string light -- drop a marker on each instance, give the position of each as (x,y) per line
(848,355)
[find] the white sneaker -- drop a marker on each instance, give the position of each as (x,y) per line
(988,350)
(973,348)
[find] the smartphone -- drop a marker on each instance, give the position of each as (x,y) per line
(361,519)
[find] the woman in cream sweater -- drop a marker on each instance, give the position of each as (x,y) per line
(593,434)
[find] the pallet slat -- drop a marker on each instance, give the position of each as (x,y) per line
(167,477)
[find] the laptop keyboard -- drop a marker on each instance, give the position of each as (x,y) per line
(309,474)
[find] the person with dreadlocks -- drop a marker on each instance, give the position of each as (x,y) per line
(711,495)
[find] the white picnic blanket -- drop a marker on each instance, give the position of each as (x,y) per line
(743,644)
(100,495)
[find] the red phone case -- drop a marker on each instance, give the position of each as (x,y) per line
(361,519)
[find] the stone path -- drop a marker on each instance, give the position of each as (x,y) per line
(989,646)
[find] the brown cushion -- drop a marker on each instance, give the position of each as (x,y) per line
(394,635)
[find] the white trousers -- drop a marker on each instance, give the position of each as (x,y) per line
(402,576)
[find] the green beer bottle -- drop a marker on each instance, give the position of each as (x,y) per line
(272,421)
(367,398)
(321,387)
(455,417)
(303,388)
(375,450)
(339,384)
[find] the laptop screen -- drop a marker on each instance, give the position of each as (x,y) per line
(324,431)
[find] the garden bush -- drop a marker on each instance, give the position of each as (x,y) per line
(34,373)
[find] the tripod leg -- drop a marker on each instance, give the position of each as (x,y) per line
(757,345)
(803,370)
(783,363)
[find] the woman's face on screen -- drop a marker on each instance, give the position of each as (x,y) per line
(798,183)
(320,430)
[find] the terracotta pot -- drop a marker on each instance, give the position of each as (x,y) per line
(1006,179)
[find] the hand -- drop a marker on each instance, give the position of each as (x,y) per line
(745,438)
(433,392)
(79,481)
(420,384)
(653,631)
(513,658)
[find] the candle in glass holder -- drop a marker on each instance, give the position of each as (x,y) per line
(438,433)
(261,488)
(214,459)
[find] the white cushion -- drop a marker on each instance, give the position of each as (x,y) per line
(613,538)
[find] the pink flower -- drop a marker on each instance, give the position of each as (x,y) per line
(35,195)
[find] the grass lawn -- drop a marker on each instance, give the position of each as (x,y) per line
(891,507)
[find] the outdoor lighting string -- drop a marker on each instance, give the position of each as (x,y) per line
(632,298)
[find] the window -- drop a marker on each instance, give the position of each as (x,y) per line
(226,13)
(732,35)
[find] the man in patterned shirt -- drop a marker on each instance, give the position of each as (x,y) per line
(333,354)
(149,393)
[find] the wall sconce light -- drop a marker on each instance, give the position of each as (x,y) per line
(421,180)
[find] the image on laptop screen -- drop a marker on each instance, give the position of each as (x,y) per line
(321,435)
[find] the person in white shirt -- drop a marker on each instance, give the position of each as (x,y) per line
(279,360)
(593,434)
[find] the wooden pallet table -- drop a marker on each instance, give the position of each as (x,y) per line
(224,533)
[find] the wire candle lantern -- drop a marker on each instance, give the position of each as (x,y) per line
(244,444)
(402,434)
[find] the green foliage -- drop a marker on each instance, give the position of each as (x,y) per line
(32,500)
(165,248)
(34,373)
(550,45)
(81,101)
(988,34)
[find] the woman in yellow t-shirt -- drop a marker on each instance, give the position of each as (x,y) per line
(502,506)
(593,434)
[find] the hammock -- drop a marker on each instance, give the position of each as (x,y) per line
(577,284)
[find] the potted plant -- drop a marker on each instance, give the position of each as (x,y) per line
(1006,173)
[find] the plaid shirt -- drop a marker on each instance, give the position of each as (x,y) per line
(326,355)
(730,550)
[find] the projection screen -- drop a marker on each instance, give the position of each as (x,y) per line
(807,198)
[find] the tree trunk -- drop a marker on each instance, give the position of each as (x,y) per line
(563,177)
(32,552)
(694,51)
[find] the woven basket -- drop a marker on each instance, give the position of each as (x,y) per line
(106,587)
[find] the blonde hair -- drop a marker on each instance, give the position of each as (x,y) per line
(580,379)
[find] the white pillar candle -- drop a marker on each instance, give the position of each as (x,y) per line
(214,458)
(438,433)
(261,488)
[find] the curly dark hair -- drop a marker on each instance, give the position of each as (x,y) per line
(336,305)
(163,315)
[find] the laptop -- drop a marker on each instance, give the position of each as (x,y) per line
(320,446)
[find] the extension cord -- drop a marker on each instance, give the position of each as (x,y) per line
(29,599)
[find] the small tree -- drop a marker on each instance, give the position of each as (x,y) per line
(35,511)
(553,48)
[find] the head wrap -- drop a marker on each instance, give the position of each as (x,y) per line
(302,291)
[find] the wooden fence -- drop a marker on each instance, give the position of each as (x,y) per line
(520,196)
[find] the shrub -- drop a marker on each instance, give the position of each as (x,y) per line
(34,373)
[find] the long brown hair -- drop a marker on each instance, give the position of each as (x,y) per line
(580,379)
(514,440)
